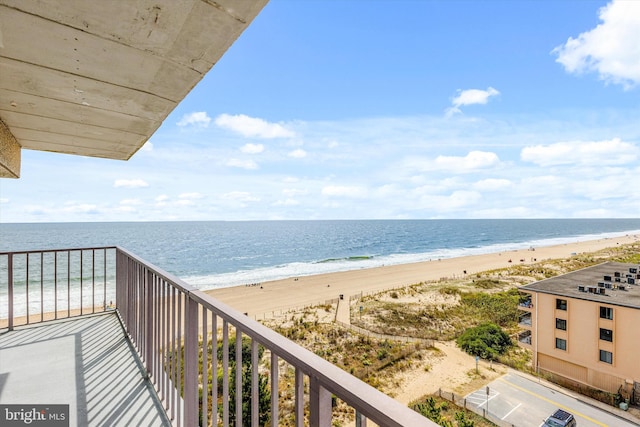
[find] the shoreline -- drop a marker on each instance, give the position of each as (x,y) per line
(297,292)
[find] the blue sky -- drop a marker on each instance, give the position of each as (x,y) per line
(382,109)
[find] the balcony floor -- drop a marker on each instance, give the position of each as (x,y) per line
(87,363)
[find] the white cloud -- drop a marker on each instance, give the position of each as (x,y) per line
(492,184)
(611,152)
(448,172)
(162,198)
(200,119)
(147,147)
(243,164)
(252,148)
(4,200)
(292,192)
(286,202)
(125,209)
(612,49)
(460,199)
(241,196)
(344,191)
(473,161)
(130,202)
(297,154)
(130,183)
(253,127)
(470,97)
(80,208)
(190,196)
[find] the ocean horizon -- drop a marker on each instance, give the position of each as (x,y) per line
(214,254)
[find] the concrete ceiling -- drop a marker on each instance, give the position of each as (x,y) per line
(98,77)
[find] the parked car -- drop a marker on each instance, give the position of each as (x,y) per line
(560,418)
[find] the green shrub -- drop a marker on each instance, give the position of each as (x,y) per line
(487,341)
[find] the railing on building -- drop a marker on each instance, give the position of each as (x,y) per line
(36,286)
(183,337)
(525,301)
(524,337)
(525,320)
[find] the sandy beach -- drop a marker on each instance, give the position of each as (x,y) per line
(297,292)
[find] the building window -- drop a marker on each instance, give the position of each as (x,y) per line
(606,334)
(561,324)
(561,344)
(561,304)
(606,356)
(606,313)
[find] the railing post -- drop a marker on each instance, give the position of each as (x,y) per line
(191,363)
(319,404)
(299,405)
(275,416)
(255,391)
(10,290)
(149,321)
(120,279)
(238,377)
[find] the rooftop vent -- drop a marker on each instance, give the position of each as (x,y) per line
(601,284)
(607,278)
(616,274)
(581,288)
(633,270)
(622,287)
(631,281)
(602,291)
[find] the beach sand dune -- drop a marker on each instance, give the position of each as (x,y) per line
(281,295)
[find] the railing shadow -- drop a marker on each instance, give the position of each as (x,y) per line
(107,383)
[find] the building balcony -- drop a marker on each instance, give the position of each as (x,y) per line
(525,302)
(525,320)
(524,339)
(123,342)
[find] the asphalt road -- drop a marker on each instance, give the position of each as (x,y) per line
(526,403)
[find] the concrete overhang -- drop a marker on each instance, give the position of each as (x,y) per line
(98,77)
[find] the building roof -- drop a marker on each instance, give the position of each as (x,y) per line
(98,78)
(607,283)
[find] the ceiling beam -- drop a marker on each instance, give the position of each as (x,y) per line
(10,152)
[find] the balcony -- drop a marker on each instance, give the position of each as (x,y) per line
(525,302)
(524,339)
(525,320)
(121,341)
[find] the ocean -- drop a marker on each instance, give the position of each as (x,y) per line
(218,254)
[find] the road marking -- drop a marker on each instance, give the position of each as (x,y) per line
(479,398)
(555,403)
(509,413)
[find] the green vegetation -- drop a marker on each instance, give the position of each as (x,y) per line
(367,358)
(487,341)
(264,393)
(500,308)
(442,321)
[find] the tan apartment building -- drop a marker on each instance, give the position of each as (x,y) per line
(584,327)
